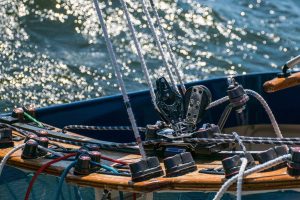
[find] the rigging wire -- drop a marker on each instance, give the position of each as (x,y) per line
(164,36)
(49,151)
(140,54)
(41,169)
(158,43)
(120,80)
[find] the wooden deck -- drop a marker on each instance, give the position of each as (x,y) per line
(194,181)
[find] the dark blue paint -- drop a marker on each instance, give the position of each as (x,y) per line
(111,110)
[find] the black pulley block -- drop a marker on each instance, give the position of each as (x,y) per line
(169,102)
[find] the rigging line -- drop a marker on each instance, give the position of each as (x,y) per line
(252,170)
(7,156)
(101,128)
(158,43)
(228,136)
(120,80)
(62,178)
(140,54)
(267,109)
(164,36)
(240,178)
(41,169)
(240,142)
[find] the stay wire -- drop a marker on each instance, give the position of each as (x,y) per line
(140,53)
(120,80)
(164,37)
(158,43)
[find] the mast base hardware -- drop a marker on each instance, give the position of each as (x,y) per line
(145,169)
(6,139)
(180,164)
(293,166)
(196,99)
(272,154)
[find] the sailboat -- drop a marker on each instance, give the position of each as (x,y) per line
(201,136)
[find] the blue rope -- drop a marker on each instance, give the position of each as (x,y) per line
(108,168)
(62,178)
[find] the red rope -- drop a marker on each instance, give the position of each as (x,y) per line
(41,169)
(113,160)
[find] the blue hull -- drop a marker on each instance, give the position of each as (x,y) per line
(111,110)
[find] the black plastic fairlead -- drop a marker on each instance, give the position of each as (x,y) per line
(145,169)
(271,154)
(179,164)
(293,166)
(231,166)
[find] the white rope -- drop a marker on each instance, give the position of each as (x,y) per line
(50,151)
(140,53)
(7,156)
(255,169)
(240,178)
(217,102)
(120,80)
(150,23)
(165,38)
(268,111)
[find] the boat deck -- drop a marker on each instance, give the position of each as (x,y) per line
(194,181)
